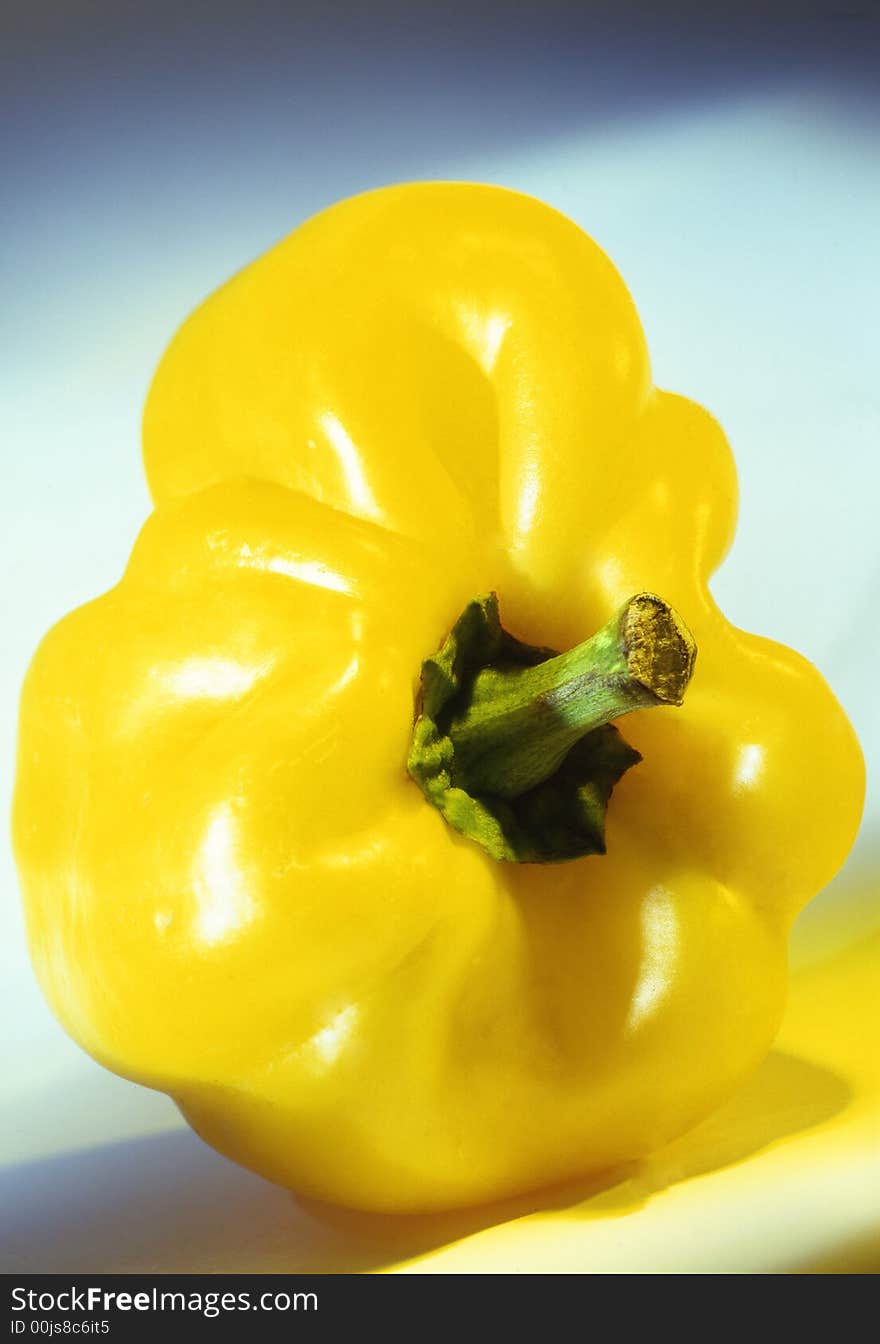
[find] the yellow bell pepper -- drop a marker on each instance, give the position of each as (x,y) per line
(413,990)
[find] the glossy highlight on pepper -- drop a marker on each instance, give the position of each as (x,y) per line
(236,893)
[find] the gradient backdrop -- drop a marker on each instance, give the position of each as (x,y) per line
(727,159)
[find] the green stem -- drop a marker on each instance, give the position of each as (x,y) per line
(519,723)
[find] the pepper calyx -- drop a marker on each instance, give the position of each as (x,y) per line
(513,743)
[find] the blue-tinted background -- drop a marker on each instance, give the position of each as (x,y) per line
(726,158)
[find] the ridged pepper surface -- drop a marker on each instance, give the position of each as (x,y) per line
(238,892)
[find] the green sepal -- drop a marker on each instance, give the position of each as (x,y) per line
(562,818)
